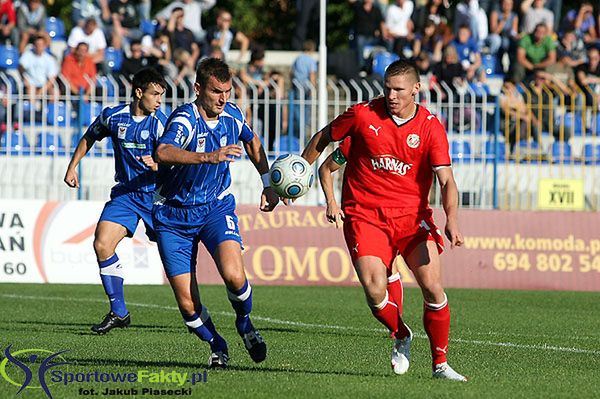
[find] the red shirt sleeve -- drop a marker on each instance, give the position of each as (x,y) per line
(439,152)
(342,125)
(345,146)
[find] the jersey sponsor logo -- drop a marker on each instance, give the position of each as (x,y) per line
(139,146)
(122,131)
(413,140)
(201,144)
(180,137)
(376,130)
(145,134)
(202,134)
(390,164)
(223,141)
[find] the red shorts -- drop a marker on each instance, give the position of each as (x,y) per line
(388,232)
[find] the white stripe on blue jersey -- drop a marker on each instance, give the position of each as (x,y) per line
(130,141)
(190,185)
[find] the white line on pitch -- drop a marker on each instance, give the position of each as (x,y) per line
(545,347)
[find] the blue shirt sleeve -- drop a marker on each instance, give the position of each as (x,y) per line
(99,128)
(245,132)
(179,128)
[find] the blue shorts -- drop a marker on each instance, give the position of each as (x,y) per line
(179,230)
(127,208)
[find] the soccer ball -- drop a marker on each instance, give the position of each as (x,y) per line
(291,176)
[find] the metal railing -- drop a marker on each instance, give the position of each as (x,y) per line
(498,155)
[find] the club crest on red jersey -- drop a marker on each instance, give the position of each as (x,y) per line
(390,164)
(413,140)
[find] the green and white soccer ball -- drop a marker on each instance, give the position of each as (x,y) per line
(291,176)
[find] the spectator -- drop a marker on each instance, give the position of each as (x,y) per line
(436,11)
(182,37)
(84,9)
(535,15)
(137,60)
(516,118)
(541,100)
(450,72)
(223,35)
(304,79)
(428,42)
(185,71)
(469,54)
(39,69)
(399,26)
(536,51)
(469,13)
(253,73)
(573,48)
(582,22)
(91,34)
(306,13)
(8,22)
(588,77)
(504,32)
(562,75)
(368,26)
(272,113)
(31,22)
(192,12)
(158,52)
(79,69)
(126,22)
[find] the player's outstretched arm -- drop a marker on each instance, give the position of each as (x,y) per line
(169,154)
(269,198)
(450,204)
(328,167)
(317,145)
(71,177)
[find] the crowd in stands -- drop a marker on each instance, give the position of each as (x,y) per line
(529,41)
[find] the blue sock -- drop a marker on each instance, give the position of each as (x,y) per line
(205,329)
(111,273)
(241,301)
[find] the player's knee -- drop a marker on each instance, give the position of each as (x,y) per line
(234,277)
(375,293)
(433,293)
(103,248)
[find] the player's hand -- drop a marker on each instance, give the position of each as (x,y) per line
(225,154)
(268,200)
(334,214)
(71,179)
(453,234)
(148,161)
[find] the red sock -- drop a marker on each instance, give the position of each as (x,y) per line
(436,319)
(387,313)
(394,288)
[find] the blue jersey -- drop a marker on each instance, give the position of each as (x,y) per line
(190,185)
(132,137)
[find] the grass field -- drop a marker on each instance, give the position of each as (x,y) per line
(323,343)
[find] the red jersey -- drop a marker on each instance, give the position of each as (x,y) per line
(390,165)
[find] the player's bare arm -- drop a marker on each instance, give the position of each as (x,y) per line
(450,204)
(71,177)
(317,145)
(169,154)
(333,212)
(269,198)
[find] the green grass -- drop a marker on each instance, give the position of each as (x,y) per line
(323,342)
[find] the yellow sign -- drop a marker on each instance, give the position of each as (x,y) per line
(561,194)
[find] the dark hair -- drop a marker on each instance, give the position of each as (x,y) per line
(212,67)
(144,77)
(402,67)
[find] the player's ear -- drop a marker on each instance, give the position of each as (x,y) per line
(138,93)
(416,88)
(197,88)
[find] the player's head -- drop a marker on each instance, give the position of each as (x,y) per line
(213,86)
(401,85)
(148,87)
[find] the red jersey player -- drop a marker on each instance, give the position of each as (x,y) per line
(396,147)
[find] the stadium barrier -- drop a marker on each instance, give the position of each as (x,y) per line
(562,145)
(297,246)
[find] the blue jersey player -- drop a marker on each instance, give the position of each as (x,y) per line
(199,142)
(134,130)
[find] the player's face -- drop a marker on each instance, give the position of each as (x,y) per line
(151,98)
(213,97)
(400,92)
